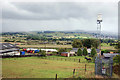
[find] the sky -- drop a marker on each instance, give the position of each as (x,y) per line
(58,16)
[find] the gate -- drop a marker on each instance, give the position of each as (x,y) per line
(103,66)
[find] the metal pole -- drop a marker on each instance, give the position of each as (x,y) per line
(96,66)
(99,20)
(99,35)
(100,38)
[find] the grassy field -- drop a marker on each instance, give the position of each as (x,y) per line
(35,67)
(104,46)
(107,46)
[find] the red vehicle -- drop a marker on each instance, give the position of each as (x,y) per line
(24,49)
(31,51)
(28,51)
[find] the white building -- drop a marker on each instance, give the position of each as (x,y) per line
(49,50)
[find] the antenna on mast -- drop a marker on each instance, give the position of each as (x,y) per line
(99,20)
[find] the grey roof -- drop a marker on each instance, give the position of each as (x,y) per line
(110,55)
(107,55)
(64,52)
(8,50)
(7,46)
(76,49)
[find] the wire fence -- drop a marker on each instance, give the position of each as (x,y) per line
(86,71)
(67,59)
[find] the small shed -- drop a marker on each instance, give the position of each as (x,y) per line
(108,55)
(66,54)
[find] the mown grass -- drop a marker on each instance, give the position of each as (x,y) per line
(35,67)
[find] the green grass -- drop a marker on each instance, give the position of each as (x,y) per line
(35,67)
(105,44)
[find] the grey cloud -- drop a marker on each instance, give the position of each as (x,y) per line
(58,16)
(47,11)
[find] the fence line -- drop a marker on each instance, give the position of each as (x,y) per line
(16,56)
(50,58)
(76,72)
(65,59)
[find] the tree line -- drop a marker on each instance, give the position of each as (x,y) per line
(88,43)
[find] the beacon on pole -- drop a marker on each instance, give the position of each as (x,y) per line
(99,20)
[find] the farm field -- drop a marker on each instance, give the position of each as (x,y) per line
(107,46)
(62,46)
(35,67)
(47,46)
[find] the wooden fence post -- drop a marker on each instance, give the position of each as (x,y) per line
(79,60)
(85,67)
(73,72)
(56,77)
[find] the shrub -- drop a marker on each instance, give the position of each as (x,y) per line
(116,59)
(43,53)
(62,50)
(85,52)
(93,52)
(79,52)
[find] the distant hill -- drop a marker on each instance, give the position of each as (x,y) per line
(104,34)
